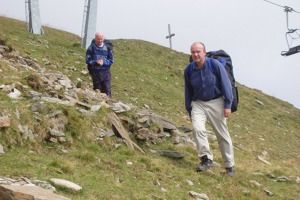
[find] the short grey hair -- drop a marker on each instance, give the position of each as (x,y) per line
(204,48)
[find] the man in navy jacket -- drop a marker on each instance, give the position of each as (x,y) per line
(208,95)
(99,58)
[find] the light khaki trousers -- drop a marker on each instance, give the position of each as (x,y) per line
(212,110)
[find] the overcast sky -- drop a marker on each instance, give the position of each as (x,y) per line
(251,31)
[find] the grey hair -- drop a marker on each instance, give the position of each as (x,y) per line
(204,48)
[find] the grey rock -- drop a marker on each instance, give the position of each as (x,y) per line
(143,134)
(15,94)
(168,153)
(268,192)
(283,178)
(120,107)
(5,48)
(198,195)
(263,160)
(4,121)
(255,183)
(176,139)
(259,102)
(165,123)
(56,133)
(185,129)
(271,176)
(1,150)
(18,192)
(26,133)
(66,184)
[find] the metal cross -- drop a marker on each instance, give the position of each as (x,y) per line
(170,36)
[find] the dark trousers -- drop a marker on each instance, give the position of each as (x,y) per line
(102,81)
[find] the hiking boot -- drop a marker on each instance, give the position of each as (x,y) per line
(230,171)
(205,164)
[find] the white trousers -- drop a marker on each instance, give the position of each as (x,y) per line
(212,110)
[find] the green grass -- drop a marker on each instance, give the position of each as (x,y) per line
(143,73)
(105,173)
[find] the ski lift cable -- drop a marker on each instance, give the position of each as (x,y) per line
(286,8)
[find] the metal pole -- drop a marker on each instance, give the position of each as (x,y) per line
(170,39)
(170,36)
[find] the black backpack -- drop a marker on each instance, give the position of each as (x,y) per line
(109,44)
(226,61)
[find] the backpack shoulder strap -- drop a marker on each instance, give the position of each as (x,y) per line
(211,65)
(190,69)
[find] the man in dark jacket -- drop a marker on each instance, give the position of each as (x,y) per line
(99,58)
(208,95)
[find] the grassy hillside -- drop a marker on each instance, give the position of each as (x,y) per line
(145,74)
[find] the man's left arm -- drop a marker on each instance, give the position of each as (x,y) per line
(110,59)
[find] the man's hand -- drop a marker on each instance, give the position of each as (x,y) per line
(100,62)
(227,113)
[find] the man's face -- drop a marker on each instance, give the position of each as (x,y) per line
(99,39)
(198,53)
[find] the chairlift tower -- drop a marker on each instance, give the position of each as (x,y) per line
(89,22)
(33,19)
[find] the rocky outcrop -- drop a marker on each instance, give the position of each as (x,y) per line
(8,192)
(24,188)
(144,125)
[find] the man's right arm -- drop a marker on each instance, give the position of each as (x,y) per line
(88,57)
(110,59)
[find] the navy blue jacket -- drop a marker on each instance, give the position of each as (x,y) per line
(207,83)
(95,52)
